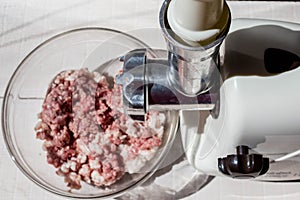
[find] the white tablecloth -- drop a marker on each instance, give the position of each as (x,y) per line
(26,23)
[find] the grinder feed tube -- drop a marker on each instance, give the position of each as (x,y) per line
(194,31)
(189,79)
(196,22)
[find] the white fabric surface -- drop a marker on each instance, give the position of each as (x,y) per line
(26,23)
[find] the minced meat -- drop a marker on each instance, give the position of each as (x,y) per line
(87,137)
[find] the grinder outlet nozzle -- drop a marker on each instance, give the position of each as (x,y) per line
(147,85)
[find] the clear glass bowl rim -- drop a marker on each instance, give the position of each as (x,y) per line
(6,132)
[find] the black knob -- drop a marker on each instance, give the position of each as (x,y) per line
(243,164)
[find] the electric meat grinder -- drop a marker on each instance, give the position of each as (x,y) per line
(234,124)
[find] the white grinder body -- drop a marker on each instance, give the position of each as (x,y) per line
(257,109)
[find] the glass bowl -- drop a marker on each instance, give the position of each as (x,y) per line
(97,49)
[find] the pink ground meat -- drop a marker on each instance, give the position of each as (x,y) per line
(85,135)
